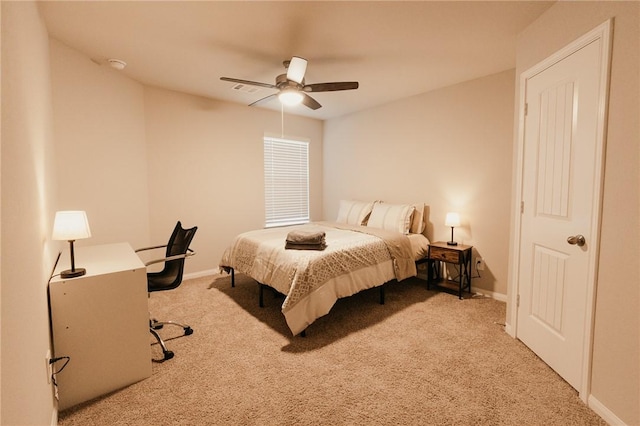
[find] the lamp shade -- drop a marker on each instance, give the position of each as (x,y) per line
(290,97)
(452,219)
(70,225)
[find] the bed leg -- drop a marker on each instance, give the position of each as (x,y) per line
(382,294)
(261,298)
(233,277)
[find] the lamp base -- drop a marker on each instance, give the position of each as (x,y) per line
(452,243)
(78,272)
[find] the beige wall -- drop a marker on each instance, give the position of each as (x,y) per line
(450,148)
(616,354)
(100,147)
(28,190)
(76,135)
(138,158)
(454,147)
(205,163)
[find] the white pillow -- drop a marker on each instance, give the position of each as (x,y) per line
(354,212)
(417,220)
(392,217)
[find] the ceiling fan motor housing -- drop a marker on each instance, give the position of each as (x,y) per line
(282,83)
(292,84)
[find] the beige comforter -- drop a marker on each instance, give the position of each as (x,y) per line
(356,258)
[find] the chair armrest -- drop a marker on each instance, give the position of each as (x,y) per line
(150,248)
(167,259)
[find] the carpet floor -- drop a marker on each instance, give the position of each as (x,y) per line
(422,358)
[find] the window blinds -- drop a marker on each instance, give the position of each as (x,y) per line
(286,182)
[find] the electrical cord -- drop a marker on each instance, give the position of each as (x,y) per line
(457,270)
(53,361)
(54,267)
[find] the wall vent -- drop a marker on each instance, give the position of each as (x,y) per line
(245,88)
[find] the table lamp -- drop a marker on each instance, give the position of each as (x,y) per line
(452,220)
(70,226)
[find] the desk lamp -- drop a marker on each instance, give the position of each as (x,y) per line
(71,226)
(452,220)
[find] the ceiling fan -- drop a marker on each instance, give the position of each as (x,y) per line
(292,88)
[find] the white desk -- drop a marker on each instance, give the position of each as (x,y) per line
(101,321)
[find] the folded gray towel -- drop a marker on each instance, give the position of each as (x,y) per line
(293,246)
(302,236)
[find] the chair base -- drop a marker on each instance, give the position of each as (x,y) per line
(157,325)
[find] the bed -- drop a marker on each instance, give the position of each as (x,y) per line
(367,246)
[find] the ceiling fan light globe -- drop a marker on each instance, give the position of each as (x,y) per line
(290,97)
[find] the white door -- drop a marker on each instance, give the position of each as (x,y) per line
(561,174)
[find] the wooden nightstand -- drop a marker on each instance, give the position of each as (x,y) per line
(460,255)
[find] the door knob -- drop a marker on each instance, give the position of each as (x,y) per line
(577,239)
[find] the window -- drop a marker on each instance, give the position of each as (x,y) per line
(286,182)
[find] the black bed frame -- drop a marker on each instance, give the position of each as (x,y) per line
(263,286)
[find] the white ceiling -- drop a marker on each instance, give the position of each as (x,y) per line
(394,49)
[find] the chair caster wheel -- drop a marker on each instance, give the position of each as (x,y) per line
(188,331)
(168,355)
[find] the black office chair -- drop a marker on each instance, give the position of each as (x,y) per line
(170,276)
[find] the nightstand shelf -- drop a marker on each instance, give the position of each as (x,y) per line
(458,255)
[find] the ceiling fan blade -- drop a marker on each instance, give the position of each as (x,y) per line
(251,83)
(297,69)
(331,87)
(263,100)
(309,102)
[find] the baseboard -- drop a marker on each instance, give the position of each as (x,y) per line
(606,414)
(54,417)
(509,330)
(497,296)
(201,274)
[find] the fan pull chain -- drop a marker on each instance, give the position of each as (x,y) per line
(281,120)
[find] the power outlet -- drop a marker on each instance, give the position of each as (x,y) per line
(49,370)
(480,264)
